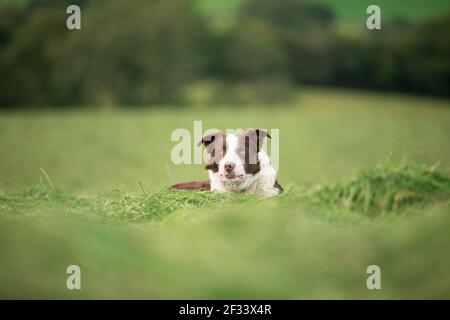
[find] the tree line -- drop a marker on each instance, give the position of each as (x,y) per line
(148,52)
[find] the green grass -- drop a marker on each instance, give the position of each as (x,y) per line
(324,136)
(386,188)
(183,244)
(101,202)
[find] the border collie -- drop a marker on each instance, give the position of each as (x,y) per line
(237,164)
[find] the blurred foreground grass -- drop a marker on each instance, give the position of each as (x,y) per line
(314,243)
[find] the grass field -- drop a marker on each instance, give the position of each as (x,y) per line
(347,205)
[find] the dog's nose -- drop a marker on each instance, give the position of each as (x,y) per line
(229,166)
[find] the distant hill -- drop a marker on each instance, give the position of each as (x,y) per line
(347,11)
(409,9)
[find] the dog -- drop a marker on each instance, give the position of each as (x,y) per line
(237,164)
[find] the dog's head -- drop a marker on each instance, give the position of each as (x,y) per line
(234,157)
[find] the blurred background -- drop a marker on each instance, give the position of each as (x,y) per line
(147,53)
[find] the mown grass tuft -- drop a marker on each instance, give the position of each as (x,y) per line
(385,188)
(184,244)
(117,206)
(155,205)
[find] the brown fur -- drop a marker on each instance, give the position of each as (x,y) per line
(250,143)
(193,185)
(215,145)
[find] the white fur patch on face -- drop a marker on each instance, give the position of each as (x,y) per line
(232,157)
(233,174)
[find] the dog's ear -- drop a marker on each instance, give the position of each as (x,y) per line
(209,140)
(258,136)
(215,144)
